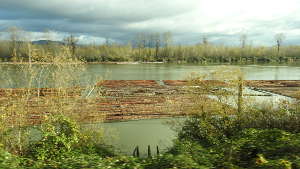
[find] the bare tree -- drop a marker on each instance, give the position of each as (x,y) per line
(148,43)
(204,40)
(167,42)
(140,43)
(243,40)
(157,45)
(14,35)
(167,39)
(107,42)
(72,43)
(279,40)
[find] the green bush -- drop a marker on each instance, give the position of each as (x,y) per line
(273,144)
(287,120)
(262,163)
(202,156)
(59,135)
(92,161)
(209,130)
(231,142)
(182,161)
(8,160)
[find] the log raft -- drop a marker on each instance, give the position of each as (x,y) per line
(131,99)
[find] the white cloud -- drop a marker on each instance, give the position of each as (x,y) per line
(187,19)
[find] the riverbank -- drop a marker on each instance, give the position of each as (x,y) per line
(116,63)
(294,63)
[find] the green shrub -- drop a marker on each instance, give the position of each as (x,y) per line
(232,144)
(283,119)
(209,130)
(273,164)
(59,135)
(91,161)
(182,161)
(202,156)
(273,144)
(8,160)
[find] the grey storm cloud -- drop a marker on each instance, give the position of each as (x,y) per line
(93,10)
(188,20)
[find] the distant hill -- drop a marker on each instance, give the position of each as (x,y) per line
(45,42)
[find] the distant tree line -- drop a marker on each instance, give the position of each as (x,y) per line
(145,47)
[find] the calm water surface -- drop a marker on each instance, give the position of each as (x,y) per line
(179,72)
(127,135)
(93,72)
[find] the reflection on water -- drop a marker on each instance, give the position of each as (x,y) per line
(125,136)
(179,72)
(92,73)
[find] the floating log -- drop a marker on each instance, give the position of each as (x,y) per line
(133,99)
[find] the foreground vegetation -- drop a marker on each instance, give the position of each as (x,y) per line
(154,47)
(204,141)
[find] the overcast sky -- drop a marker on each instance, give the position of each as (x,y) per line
(222,21)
